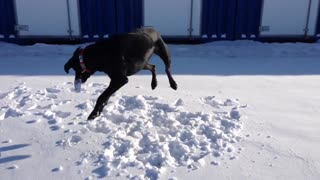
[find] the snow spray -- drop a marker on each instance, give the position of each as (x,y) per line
(77,85)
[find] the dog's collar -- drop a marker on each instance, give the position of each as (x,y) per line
(83,66)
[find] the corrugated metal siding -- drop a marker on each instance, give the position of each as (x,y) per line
(97,18)
(129,15)
(231,19)
(218,18)
(7,18)
(248,17)
(101,18)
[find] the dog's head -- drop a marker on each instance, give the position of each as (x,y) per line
(74,63)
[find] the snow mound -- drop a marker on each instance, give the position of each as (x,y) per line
(144,133)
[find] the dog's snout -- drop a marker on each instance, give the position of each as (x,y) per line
(66,69)
(69,65)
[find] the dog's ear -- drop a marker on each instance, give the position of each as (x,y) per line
(77,51)
(71,62)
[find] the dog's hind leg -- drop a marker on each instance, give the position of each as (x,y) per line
(115,84)
(152,68)
(161,50)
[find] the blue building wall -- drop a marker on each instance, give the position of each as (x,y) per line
(7,18)
(218,18)
(106,17)
(97,17)
(231,19)
(129,15)
(248,18)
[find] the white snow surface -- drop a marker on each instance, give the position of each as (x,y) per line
(243,110)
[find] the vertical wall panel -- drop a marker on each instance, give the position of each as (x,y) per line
(248,17)
(196,18)
(129,15)
(7,18)
(318,23)
(98,18)
(313,16)
(74,18)
(218,18)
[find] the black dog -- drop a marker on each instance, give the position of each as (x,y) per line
(120,56)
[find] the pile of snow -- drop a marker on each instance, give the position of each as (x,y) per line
(140,132)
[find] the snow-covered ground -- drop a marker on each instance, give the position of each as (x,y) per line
(243,110)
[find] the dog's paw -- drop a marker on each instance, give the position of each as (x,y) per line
(91,118)
(154,84)
(173,85)
(93,115)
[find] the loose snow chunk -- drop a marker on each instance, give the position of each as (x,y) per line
(109,153)
(60,168)
(2,115)
(49,115)
(164,107)
(75,139)
(179,102)
(153,172)
(173,178)
(216,163)
(230,102)
(26,100)
(53,90)
(13,167)
(9,141)
(179,151)
(3,95)
(123,149)
(148,142)
(84,106)
(212,101)
(63,114)
(83,161)
(101,127)
(133,103)
(13,113)
(235,114)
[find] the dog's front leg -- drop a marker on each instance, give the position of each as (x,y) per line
(115,85)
